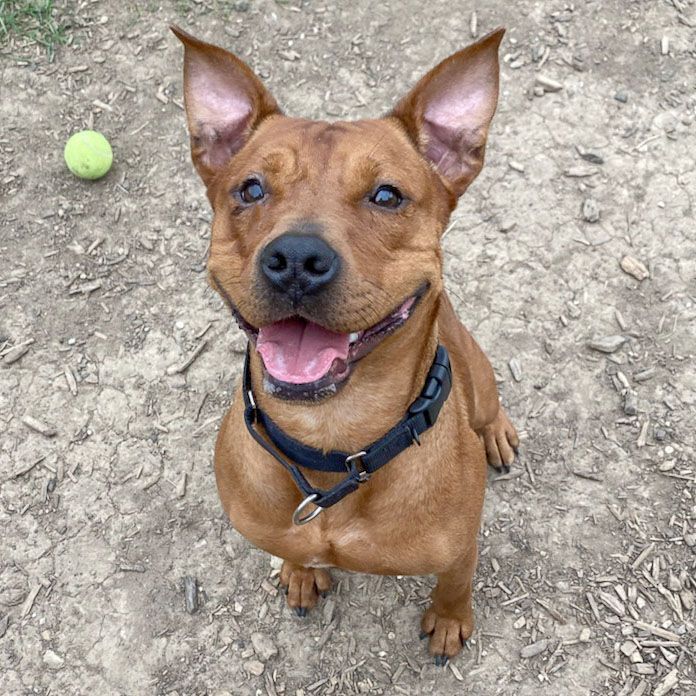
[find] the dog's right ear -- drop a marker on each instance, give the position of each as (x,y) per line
(225,102)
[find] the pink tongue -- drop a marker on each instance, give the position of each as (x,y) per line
(299,351)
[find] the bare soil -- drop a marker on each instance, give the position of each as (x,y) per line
(587,575)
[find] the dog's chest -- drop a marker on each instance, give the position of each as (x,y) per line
(360,545)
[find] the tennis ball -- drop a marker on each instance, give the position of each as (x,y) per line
(88,154)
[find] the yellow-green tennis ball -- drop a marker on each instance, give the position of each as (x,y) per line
(88,154)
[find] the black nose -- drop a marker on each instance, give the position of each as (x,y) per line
(299,264)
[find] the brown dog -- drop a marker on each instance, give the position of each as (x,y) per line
(326,245)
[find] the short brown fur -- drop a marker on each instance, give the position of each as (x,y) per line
(421,513)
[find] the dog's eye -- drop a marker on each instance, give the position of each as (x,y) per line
(251,191)
(387,197)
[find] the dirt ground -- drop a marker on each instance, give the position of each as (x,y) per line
(587,578)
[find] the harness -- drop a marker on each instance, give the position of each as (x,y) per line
(420,416)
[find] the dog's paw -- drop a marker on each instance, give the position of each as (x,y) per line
(501,442)
(447,635)
(303,586)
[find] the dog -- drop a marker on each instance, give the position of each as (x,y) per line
(360,433)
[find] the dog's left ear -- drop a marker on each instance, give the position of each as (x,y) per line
(447,114)
(225,102)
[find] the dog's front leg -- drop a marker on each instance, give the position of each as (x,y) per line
(449,621)
(303,585)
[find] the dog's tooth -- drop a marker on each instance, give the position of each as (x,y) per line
(354,337)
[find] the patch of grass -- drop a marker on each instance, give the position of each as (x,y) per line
(32,21)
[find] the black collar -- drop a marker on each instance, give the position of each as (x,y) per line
(421,415)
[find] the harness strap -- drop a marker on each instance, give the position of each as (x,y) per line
(422,414)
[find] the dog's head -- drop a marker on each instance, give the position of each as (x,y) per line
(326,236)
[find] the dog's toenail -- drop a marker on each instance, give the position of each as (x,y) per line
(301,611)
(324,594)
(422,635)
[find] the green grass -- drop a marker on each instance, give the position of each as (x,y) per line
(32,21)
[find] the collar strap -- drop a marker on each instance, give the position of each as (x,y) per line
(421,415)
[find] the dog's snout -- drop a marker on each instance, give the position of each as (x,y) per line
(299,264)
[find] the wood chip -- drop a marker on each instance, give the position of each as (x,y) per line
(473,28)
(657,631)
(70,379)
(191,594)
(175,369)
(607,344)
(548,84)
(29,601)
(16,352)
(613,603)
(634,267)
(39,426)
(534,649)
(667,684)
(515,369)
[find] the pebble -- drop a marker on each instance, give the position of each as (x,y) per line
(506,224)
(534,649)
(53,660)
(607,344)
(621,97)
(515,369)
(690,540)
(590,210)
(263,646)
(630,405)
(254,667)
(585,635)
(660,434)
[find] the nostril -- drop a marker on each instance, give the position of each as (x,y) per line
(318,265)
(276,262)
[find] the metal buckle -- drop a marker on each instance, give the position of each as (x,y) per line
(297,515)
(362,475)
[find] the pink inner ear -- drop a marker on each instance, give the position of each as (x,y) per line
(221,110)
(455,123)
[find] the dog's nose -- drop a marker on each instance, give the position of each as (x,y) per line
(299,264)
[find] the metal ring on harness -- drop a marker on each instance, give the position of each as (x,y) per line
(297,515)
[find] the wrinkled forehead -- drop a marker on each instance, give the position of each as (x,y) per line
(341,151)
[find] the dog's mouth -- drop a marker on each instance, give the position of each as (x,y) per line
(304,360)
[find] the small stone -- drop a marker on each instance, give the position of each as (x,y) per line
(630,405)
(585,635)
(506,224)
(263,646)
(52,660)
(621,97)
(690,540)
(534,649)
(254,667)
(590,210)
(607,344)
(515,369)
(634,267)
(628,647)
(660,434)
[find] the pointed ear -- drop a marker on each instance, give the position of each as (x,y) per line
(225,102)
(448,112)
